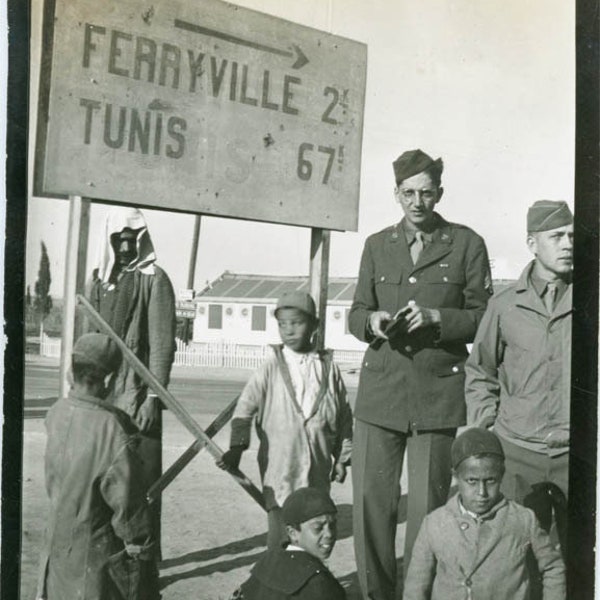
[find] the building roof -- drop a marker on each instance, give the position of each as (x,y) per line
(270,287)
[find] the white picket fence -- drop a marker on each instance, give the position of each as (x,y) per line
(220,354)
(215,354)
(241,356)
(50,346)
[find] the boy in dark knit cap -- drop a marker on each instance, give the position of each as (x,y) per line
(297,570)
(477,546)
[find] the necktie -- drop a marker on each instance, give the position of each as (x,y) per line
(416,247)
(550,296)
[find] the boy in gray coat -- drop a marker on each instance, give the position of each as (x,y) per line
(98,543)
(478,545)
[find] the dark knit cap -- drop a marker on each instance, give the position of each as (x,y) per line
(413,162)
(98,350)
(306,503)
(475,441)
(545,215)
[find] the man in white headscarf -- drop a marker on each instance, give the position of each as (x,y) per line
(138,302)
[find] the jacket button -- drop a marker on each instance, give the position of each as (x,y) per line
(445,278)
(464,526)
(455,369)
(412,279)
(408,348)
(382,278)
(468,582)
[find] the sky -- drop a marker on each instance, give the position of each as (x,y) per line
(488,86)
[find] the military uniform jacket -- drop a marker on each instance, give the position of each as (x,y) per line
(519,373)
(416,380)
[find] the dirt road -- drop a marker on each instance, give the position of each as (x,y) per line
(212,531)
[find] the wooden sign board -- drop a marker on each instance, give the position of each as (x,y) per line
(201,106)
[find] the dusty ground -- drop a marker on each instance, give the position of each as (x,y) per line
(212,531)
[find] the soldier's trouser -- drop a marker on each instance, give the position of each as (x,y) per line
(531,478)
(376,469)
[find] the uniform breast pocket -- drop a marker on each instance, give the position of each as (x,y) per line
(446,276)
(387,290)
(446,287)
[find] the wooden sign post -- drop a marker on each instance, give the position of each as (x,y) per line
(75,272)
(319,277)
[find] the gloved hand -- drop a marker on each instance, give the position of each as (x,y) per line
(230,460)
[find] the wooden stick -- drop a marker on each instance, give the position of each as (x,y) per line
(197,446)
(175,406)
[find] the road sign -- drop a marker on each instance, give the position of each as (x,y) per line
(201,106)
(185,309)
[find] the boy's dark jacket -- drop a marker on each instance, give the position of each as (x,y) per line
(283,574)
(97,497)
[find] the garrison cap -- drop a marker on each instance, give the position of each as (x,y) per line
(412,162)
(306,503)
(300,300)
(98,350)
(545,215)
(475,441)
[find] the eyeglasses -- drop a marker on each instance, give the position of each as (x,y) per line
(410,195)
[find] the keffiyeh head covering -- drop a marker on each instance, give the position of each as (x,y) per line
(118,219)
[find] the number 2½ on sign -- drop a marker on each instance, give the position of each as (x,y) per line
(305,166)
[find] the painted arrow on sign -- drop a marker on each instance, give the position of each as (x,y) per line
(300,61)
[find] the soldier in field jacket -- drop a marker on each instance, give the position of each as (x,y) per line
(411,389)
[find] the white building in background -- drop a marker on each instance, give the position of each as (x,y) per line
(239,308)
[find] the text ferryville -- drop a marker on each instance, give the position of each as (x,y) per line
(143,59)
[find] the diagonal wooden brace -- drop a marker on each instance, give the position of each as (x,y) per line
(197,446)
(168,399)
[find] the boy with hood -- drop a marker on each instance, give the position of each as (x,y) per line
(138,302)
(98,538)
